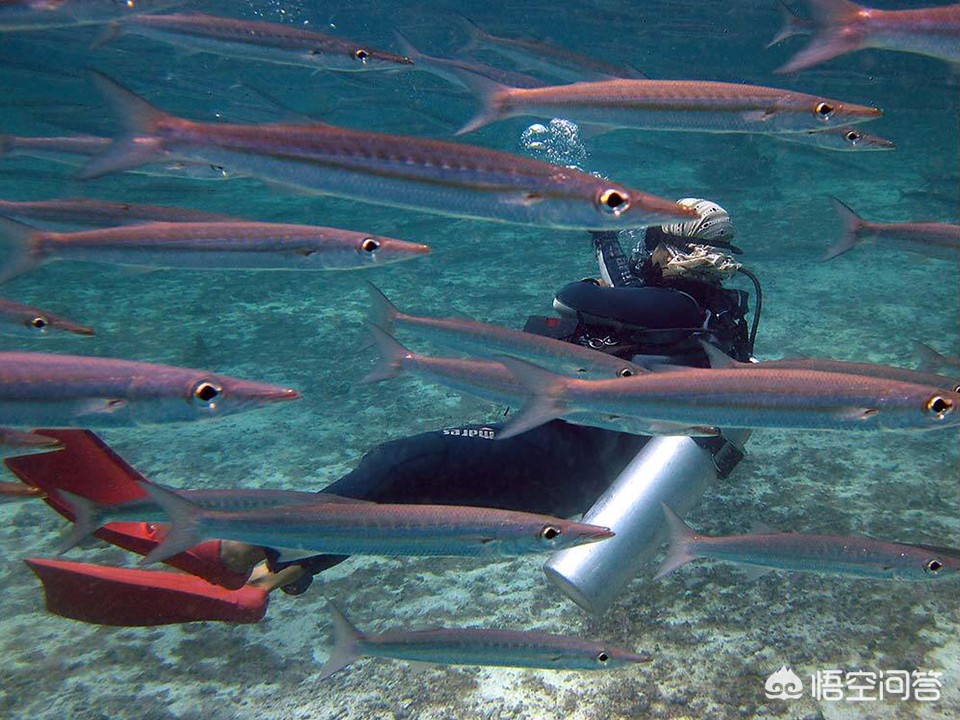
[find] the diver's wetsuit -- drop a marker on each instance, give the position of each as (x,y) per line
(558,469)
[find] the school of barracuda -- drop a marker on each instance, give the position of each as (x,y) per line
(540,378)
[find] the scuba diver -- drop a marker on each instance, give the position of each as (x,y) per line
(653,307)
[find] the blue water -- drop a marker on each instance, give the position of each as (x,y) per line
(714,636)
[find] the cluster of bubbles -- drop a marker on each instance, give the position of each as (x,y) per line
(558,143)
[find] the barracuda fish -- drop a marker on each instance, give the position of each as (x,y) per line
(26,321)
(933,239)
(13,491)
(84,211)
(233,245)
(492,381)
(236,245)
(22,15)
(488,340)
(452,69)
(473,646)
(369,529)
(261,41)
(90,516)
(841,27)
(41,390)
(683,105)
(842,139)
(549,59)
(933,361)
(14,443)
(834,554)
(737,398)
(429,175)
(718,359)
(74,150)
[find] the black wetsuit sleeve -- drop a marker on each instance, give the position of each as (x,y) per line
(614,264)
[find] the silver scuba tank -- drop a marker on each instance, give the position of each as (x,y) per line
(675,470)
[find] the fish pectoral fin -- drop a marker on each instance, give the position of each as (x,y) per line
(754,571)
(526,199)
(759,115)
(858,413)
(102,406)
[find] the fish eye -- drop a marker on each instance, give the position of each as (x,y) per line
(625,372)
(206,392)
(361,55)
(939,406)
(602,657)
(852,136)
(612,201)
(39,322)
(550,532)
(369,245)
(956,388)
(933,566)
(823,110)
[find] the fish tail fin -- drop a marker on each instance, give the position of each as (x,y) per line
(406,47)
(793,24)
(835,33)
(493,98)
(681,538)
(930,359)
(18,251)
(137,143)
(718,358)
(346,643)
(111,32)
(87,519)
(476,35)
(392,352)
(182,515)
(852,224)
(544,403)
(382,312)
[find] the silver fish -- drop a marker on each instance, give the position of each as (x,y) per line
(718,359)
(369,529)
(26,321)
(938,240)
(473,646)
(492,381)
(90,516)
(738,398)
(75,150)
(684,105)
(233,245)
(841,139)
(428,175)
(71,212)
(840,27)
(488,340)
(261,41)
(41,390)
(833,554)
(22,15)
(549,59)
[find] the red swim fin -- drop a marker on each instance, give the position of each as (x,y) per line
(86,466)
(122,596)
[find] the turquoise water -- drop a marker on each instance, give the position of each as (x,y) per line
(714,636)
